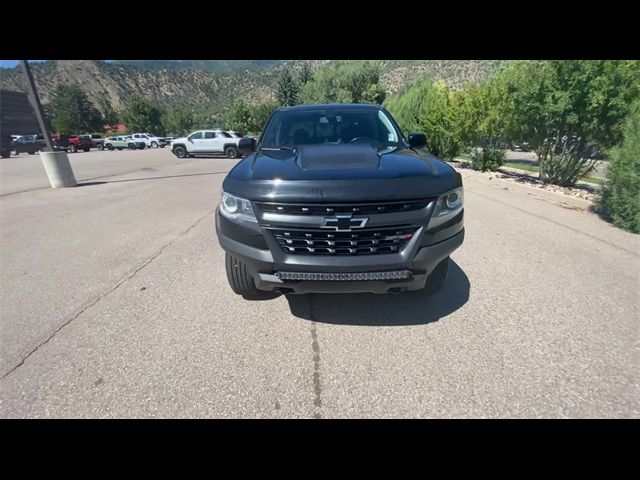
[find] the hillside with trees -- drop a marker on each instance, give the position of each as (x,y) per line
(208,88)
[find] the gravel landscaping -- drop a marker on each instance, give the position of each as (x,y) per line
(582,190)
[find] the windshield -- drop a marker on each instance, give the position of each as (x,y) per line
(288,129)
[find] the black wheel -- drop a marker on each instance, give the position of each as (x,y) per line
(5,154)
(86,149)
(119,148)
(132,146)
(231,152)
(162,146)
(154,144)
(100,146)
(72,148)
(180,152)
(32,153)
(109,146)
(239,278)
(437,278)
(141,147)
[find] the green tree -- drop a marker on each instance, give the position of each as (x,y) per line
(406,106)
(109,115)
(620,198)
(427,106)
(287,87)
(479,123)
(259,115)
(141,115)
(203,119)
(238,118)
(178,120)
(565,108)
(71,112)
(305,75)
(345,82)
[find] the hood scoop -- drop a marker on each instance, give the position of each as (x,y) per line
(357,156)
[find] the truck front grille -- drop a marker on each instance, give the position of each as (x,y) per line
(343,208)
(362,242)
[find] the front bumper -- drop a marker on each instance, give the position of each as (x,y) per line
(265,263)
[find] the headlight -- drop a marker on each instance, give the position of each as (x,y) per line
(447,207)
(236,208)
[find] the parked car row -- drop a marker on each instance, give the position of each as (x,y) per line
(32,144)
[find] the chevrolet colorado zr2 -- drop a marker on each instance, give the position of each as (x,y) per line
(333,198)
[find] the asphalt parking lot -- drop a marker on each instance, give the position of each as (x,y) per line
(114,303)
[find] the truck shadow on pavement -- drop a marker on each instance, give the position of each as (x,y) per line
(410,308)
(84,183)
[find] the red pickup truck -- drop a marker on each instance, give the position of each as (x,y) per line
(72,143)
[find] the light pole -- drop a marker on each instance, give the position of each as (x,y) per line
(56,164)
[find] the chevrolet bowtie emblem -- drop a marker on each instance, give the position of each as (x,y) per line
(343,223)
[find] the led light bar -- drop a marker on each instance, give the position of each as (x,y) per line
(395,275)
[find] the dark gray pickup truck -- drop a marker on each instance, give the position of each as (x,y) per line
(333,198)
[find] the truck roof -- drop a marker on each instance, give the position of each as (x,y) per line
(319,106)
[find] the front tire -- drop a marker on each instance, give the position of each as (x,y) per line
(86,149)
(154,144)
(132,146)
(437,278)
(239,278)
(100,147)
(72,149)
(180,152)
(109,147)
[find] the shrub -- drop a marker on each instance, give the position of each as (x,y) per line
(487,159)
(564,162)
(620,198)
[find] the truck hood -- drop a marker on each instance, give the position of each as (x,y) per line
(339,173)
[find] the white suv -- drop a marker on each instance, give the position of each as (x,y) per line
(207,142)
(151,141)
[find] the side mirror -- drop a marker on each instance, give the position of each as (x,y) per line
(417,140)
(246,145)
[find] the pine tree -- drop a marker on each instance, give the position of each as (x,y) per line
(306,74)
(71,112)
(287,88)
